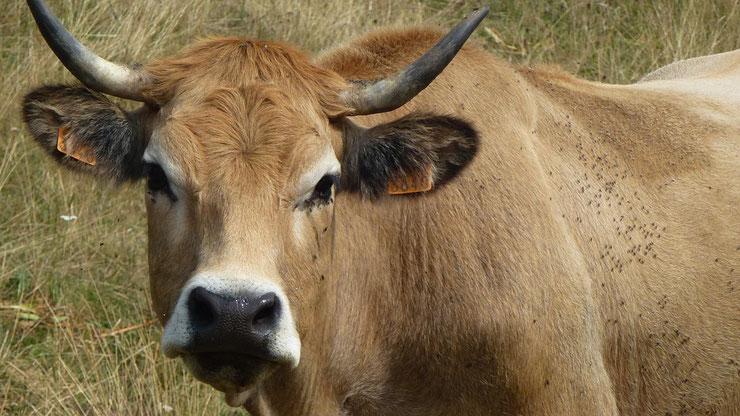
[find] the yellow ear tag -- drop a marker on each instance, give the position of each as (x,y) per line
(421,182)
(80,152)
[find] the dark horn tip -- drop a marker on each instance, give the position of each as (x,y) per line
(478,13)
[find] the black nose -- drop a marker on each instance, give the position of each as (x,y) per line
(242,325)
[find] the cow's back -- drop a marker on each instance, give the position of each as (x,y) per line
(719,66)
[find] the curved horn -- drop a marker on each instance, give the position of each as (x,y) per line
(93,71)
(390,93)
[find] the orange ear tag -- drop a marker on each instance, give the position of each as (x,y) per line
(79,153)
(421,182)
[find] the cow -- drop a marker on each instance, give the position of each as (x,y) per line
(364,233)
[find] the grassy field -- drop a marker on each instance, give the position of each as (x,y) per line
(76,332)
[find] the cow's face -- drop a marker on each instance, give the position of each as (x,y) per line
(240,198)
(243,146)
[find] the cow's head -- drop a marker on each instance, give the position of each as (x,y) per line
(244,145)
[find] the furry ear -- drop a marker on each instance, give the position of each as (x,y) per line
(416,144)
(90,123)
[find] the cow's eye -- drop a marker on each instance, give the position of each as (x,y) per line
(322,192)
(156,178)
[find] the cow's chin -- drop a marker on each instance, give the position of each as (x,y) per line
(234,374)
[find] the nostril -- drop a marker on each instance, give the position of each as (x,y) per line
(202,307)
(266,313)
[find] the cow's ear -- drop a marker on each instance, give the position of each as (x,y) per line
(85,131)
(416,153)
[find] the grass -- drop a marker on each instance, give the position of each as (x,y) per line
(66,285)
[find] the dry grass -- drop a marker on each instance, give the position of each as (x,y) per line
(63,284)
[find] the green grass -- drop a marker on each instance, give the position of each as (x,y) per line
(63,285)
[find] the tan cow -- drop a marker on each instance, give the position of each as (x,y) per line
(578,253)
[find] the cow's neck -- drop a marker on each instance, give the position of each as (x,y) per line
(398,288)
(407,268)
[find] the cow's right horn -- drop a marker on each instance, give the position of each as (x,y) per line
(95,72)
(387,94)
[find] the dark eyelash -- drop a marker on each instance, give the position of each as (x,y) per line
(323,189)
(157,180)
(322,193)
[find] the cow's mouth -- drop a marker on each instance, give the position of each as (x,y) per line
(231,373)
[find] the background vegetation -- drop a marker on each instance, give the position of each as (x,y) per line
(76,332)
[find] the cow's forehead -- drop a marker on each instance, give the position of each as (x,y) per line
(235,109)
(240,135)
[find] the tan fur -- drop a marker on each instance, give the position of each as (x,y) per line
(585,263)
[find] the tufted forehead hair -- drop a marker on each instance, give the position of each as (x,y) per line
(237,63)
(239,108)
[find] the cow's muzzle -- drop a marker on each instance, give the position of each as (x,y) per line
(232,332)
(237,325)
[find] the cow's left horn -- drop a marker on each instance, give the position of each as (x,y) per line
(93,71)
(390,93)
